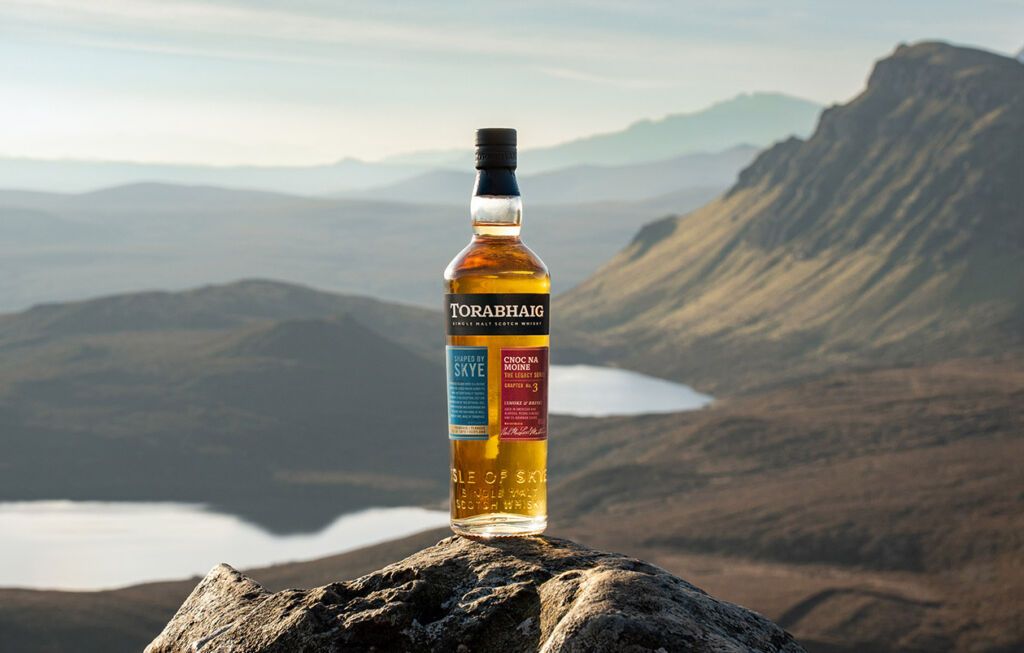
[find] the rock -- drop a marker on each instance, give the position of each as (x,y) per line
(529,594)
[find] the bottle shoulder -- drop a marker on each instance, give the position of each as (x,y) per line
(498,260)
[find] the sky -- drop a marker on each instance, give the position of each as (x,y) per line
(296,82)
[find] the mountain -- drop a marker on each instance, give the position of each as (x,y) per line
(70,176)
(712,172)
(639,181)
(283,404)
(58,247)
(433,158)
(1020,55)
(226,306)
(25,227)
(143,196)
(758,119)
(892,234)
(147,195)
(440,186)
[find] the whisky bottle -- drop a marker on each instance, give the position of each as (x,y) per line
(496,311)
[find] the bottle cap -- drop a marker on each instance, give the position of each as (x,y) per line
(496,148)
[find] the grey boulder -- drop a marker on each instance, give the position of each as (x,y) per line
(465,596)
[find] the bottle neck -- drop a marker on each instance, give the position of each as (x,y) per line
(496,207)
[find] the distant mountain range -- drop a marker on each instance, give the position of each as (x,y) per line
(758,120)
(63,247)
(893,234)
(223,224)
(77,176)
(583,183)
(68,246)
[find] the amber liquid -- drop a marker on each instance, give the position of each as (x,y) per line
(498,488)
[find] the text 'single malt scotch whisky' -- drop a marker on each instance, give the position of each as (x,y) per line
(496,309)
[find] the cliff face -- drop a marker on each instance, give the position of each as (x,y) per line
(535,594)
(930,155)
(894,233)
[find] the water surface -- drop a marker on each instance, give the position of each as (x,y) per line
(591,391)
(94,545)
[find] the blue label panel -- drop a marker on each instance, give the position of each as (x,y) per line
(467,393)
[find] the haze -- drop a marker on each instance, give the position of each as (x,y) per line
(290,83)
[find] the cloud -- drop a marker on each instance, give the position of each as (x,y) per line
(182,19)
(131,45)
(619,82)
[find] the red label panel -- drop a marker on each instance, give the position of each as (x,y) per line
(524,393)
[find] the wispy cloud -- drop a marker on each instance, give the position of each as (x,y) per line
(131,45)
(184,18)
(604,80)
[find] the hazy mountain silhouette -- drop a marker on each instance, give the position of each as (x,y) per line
(64,247)
(892,234)
(30,227)
(148,197)
(81,175)
(709,172)
(758,119)
(440,186)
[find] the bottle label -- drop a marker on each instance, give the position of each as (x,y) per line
(497,314)
(467,393)
(524,393)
